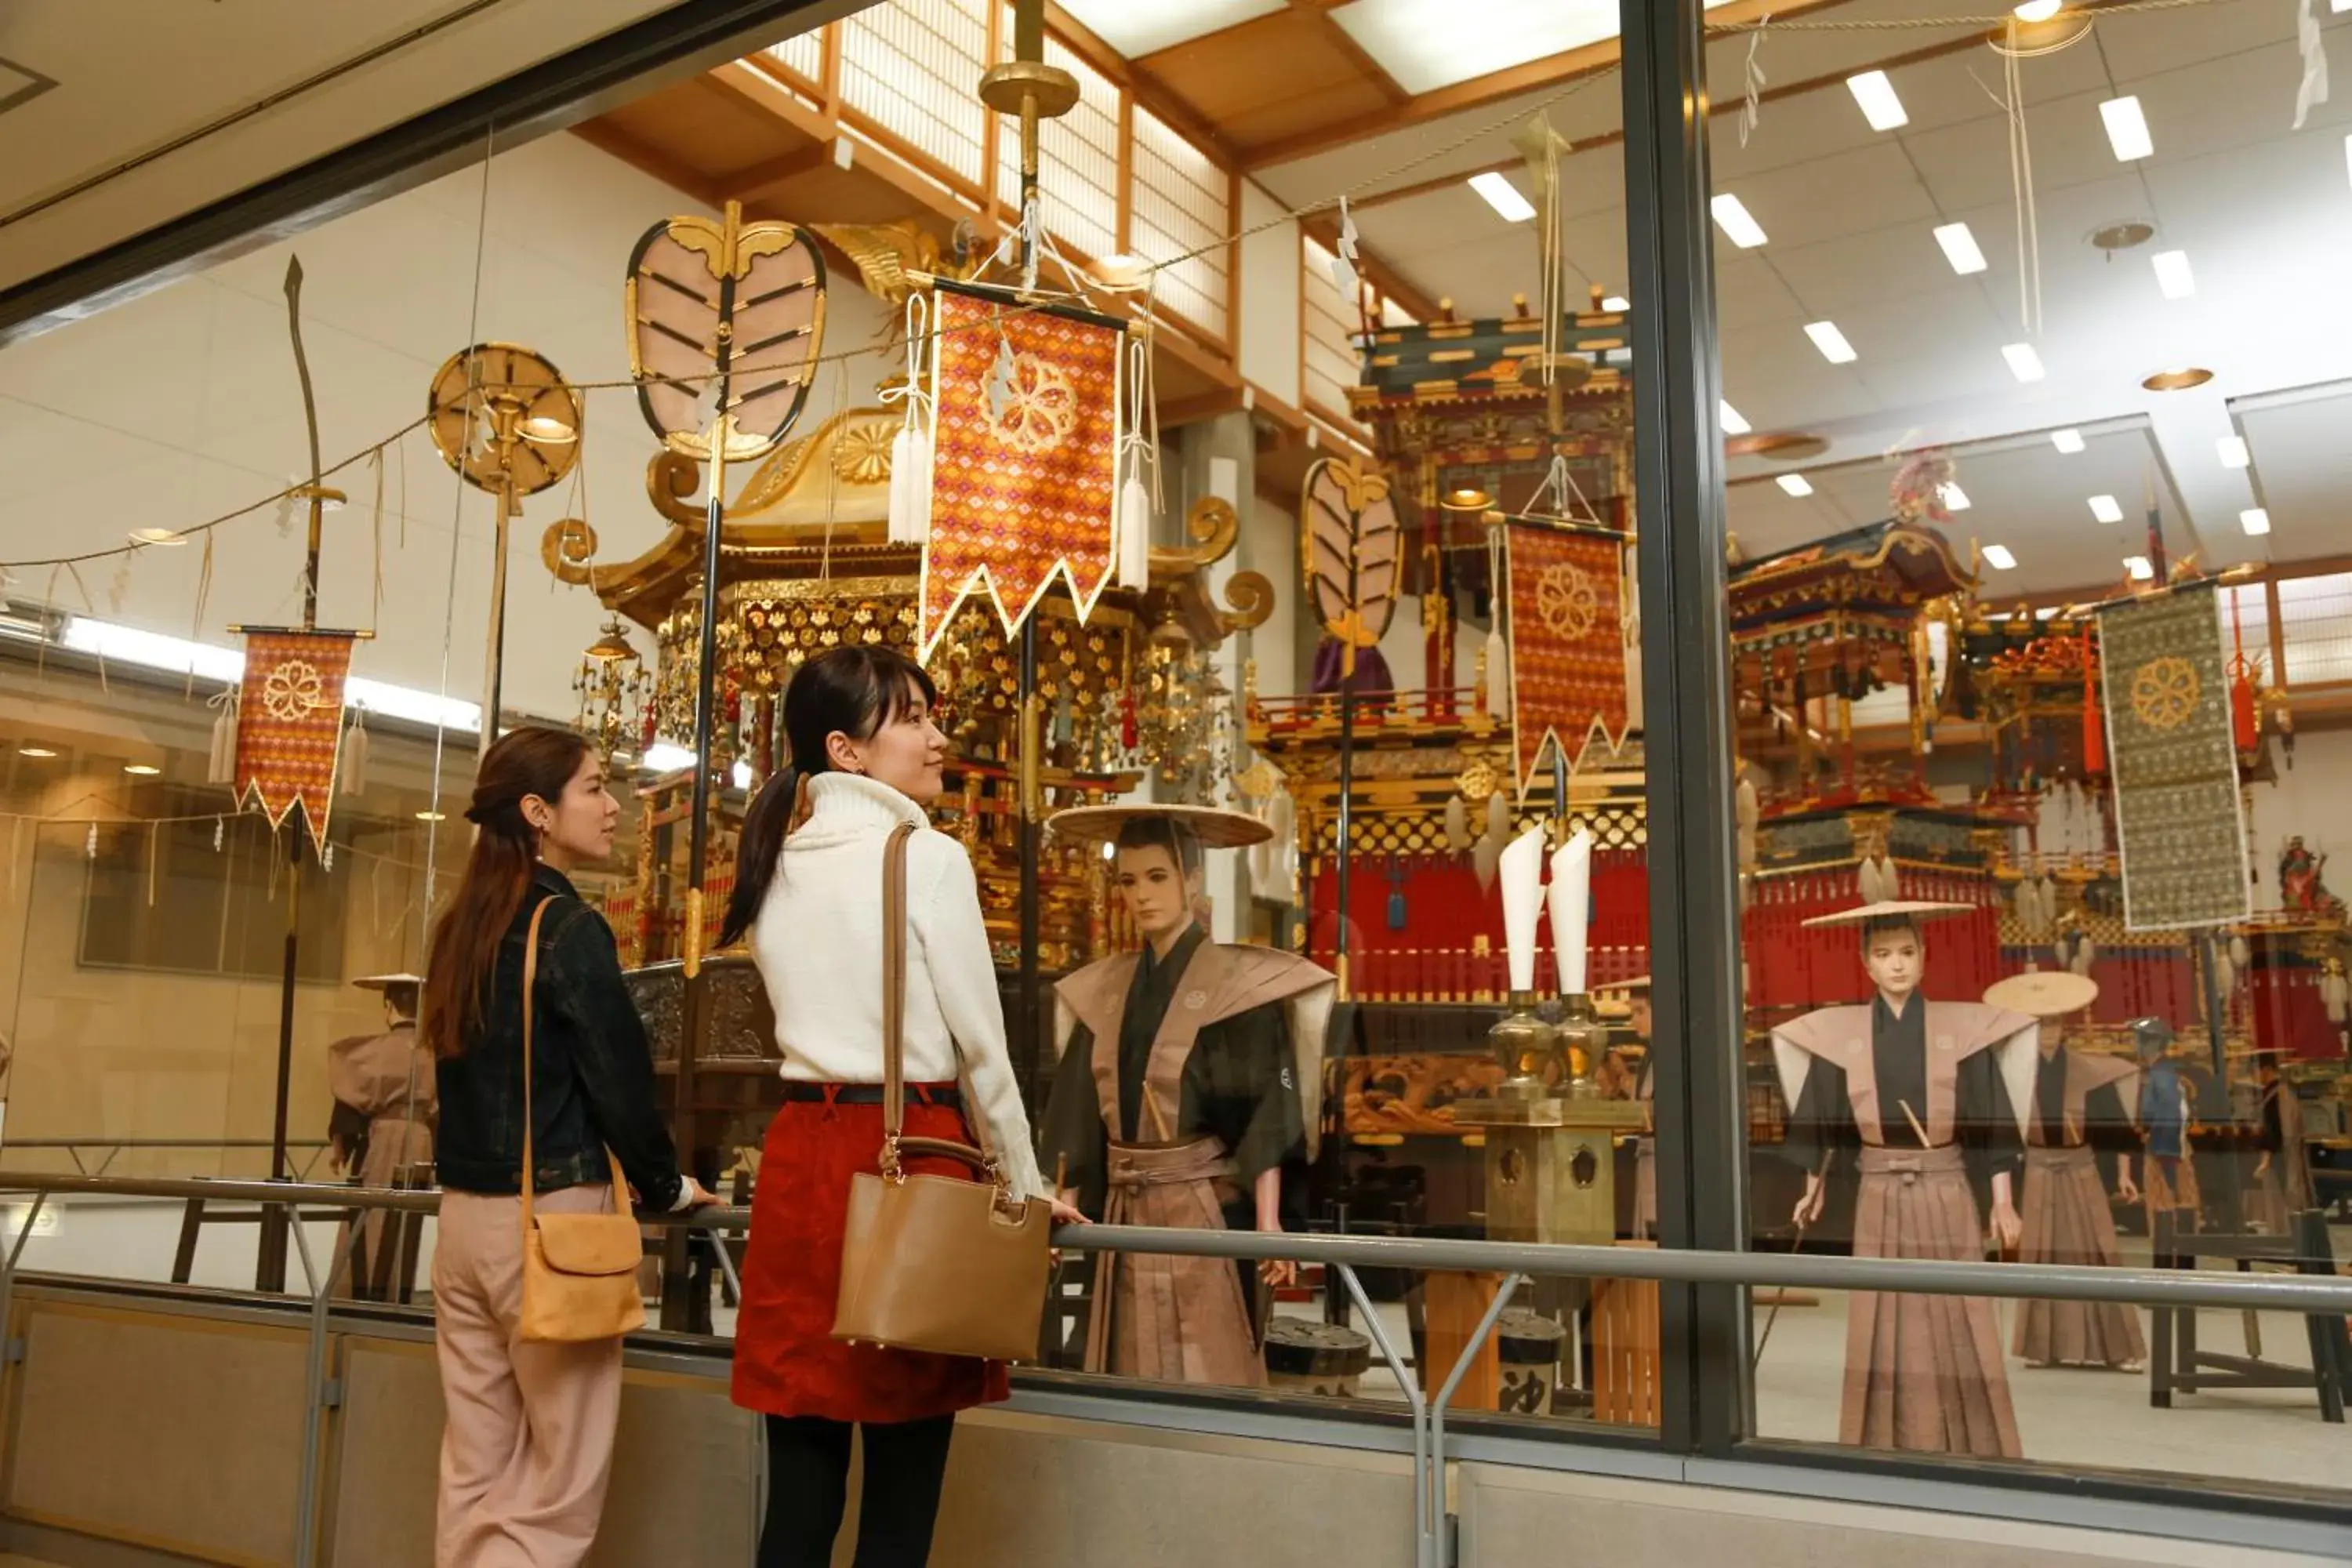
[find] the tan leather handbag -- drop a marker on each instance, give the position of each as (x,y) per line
(936,1263)
(579,1270)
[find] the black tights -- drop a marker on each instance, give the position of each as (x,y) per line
(808,1485)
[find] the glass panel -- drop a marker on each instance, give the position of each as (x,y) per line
(803,54)
(911,68)
(1182,204)
(1994,424)
(1077,157)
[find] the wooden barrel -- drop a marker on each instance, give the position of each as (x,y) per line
(1302,1356)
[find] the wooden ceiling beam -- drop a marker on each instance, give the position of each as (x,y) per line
(1344,43)
(1149,90)
(753,178)
(610,139)
(1511,82)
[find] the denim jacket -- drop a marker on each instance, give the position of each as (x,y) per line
(591,1069)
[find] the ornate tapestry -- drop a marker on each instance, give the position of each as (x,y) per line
(2178,822)
(290,724)
(1567,647)
(1024,460)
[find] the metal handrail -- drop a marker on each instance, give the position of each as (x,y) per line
(2211,1288)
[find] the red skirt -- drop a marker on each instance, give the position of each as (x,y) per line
(787,1361)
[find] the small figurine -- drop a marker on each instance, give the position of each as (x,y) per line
(2299,868)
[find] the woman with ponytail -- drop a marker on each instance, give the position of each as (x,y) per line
(527,1445)
(866,758)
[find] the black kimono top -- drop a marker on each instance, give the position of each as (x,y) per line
(1239,1087)
(1984,1122)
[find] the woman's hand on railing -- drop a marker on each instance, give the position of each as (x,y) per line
(698,1197)
(1281,1273)
(1067,1213)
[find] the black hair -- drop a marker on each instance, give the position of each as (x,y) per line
(1184,845)
(1887,925)
(854,690)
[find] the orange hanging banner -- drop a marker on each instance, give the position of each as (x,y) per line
(1567,647)
(290,724)
(1024,462)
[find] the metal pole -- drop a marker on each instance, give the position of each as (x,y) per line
(1701,1076)
(495,677)
(1346,828)
(1030,809)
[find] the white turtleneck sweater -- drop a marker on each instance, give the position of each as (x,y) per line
(818,942)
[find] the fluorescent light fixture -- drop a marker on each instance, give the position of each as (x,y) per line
(1831,343)
(1733,423)
(1998,557)
(1732,218)
(2233,448)
(1503,196)
(1617,303)
(2067,441)
(1879,105)
(2172,274)
(2339,6)
(148,770)
(2105,509)
(34,751)
(429,815)
(178,655)
(2042,10)
(2255,520)
(1796,485)
(1955,499)
(1961,249)
(2126,129)
(665,757)
(2023,362)
(2138,567)
(2047,613)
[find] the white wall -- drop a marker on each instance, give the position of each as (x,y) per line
(183,404)
(1269,335)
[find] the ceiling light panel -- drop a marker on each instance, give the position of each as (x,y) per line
(1998,557)
(1733,423)
(2127,130)
(2067,441)
(1732,216)
(2255,520)
(1503,196)
(2106,510)
(1429,44)
(2172,274)
(1140,27)
(2233,449)
(1831,343)
(1617,303)
(2039,10)
(1961,249)
(1796,485)
(2023,362)
(1955,499)
(1876,93)
(2137,567)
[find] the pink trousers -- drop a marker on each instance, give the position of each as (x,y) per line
(527,1445)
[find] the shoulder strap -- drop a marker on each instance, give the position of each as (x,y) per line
(529,988)
(529,995)
(894,1021)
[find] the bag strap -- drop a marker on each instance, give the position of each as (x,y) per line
(529,995)
(894,1143)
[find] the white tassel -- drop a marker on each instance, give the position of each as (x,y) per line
(1498,817)
(2240,954)
(351,779)
(1636,712)
(1134,532)
(222,766)
(2225,975)
(1498,675)
(2335,996)
(90,844)
(1458,823)
(901,514)
(2314,88)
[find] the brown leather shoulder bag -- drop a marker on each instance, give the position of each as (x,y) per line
(936,1263)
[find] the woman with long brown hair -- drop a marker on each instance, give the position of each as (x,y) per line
(528,1445)
(867,758)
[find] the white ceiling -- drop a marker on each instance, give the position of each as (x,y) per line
(183,404)
(132,76)
(2265,214)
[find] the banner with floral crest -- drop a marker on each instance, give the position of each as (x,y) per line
(2181,830)
(1025,459)
(1566,639)
(290,724)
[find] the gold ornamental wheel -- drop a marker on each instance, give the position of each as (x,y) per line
(500,412)
(2164,692)
(1042,410)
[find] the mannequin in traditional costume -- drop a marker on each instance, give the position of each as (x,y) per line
(2283,1171)
(2165,1101)
(381,1123)
(1191,1074)
(1639,1084)
(1927,1091)
(2079,1139)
